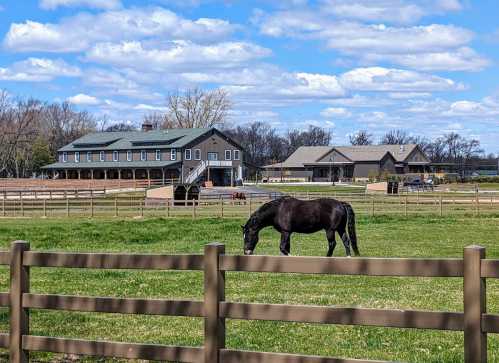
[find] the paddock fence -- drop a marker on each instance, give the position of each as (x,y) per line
(222,206)
(474,321)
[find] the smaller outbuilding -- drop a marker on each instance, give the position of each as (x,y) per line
(333,163)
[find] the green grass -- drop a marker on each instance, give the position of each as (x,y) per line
(381,236)
(470,186)
(314,188)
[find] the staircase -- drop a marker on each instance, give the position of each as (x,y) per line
(202,166)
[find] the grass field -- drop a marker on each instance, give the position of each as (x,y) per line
(381,236)
(321,188)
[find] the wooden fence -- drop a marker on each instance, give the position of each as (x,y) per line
(474,320)
(220,206)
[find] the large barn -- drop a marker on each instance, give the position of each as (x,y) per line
(333,163)
(186,155)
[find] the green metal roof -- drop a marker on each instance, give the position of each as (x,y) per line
(112,165)
(132,140)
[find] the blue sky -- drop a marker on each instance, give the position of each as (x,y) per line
(427,66)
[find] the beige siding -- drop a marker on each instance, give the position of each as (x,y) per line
(336,156)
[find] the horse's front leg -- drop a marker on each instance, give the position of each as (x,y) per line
(285,246)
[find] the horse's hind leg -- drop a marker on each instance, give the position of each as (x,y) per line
(285,246)
(346,241)
(331,239)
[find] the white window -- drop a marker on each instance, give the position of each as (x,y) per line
(158,155)
(115,156)
(77,156)
(213,156)
(128,155)
(64,157)
(228,154)
(173,154)
(197,154)
(101,156)
(89,156)
(188,154)
(143,155)
(236,155)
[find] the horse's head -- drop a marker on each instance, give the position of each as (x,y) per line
(250,235)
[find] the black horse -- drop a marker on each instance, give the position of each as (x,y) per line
(288,215)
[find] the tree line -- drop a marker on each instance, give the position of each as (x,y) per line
(32,131)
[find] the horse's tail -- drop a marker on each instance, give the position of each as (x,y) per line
(352,234)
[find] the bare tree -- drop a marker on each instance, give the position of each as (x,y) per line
(395,137)
(120,126)
(314,136)
(362,137)
(197,108)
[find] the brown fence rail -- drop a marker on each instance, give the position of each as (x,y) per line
(474,320)
(92,205)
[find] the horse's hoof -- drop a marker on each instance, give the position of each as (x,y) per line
(349,256)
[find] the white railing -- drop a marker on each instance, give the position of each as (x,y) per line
(199,170)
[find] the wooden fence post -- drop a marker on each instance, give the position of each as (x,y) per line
(67,207)
(193,209)
(4,212)
(168,208)
(44,208)
(22,205)
(441,206)
(91,205)
(475,340)
(405,205)
(116,206)
(221,206)
(372,209)
(477,204)
(249,212)
(142,205)
(214,293)
(19,317)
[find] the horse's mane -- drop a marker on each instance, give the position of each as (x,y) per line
(259,214)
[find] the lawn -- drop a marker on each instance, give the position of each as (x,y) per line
(381,236)
(320,188)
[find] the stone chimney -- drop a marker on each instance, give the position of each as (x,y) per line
(146,126)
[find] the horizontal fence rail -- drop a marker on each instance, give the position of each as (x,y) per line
(223,206)
(474,268)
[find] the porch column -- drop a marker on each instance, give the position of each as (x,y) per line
(231,177)
(163,175)
(105,173)
(66,173)
(92,174)
(119,174)
(148,174)
(133,174)
(79,174)
(208,179)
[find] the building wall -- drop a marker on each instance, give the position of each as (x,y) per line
(336,156)
(211,143)
(363,169)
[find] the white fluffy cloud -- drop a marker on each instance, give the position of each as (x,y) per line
(177,55)
(336,112)
(394,11)
(82,99)
(392,80)
(423,47)
(97,4)
(80,32)
(38,70)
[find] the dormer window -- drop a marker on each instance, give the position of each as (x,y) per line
(228,154)
(129,155)
(188,154)
(173,154)
(89,156)
(143,155)
(115,156)
(64,157)
(77,156)
(158,155)
(197,154)
(237,155)
(101,156)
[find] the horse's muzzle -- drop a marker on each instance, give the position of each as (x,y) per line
(248,252)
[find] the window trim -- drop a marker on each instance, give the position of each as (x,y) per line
(229,152)
(158,155)
(129,155)
(89,156)
(64,157)
(102,156)
(173,154)
(238,153)
(190,154)
(143,155)
(195,152)
(77,156)
(116,155)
